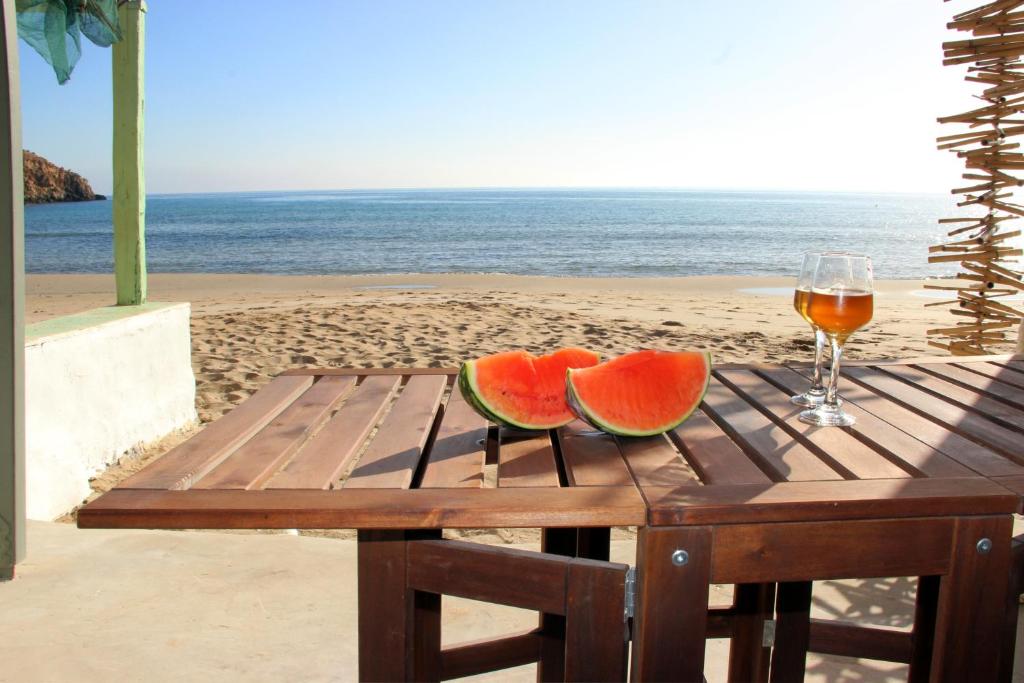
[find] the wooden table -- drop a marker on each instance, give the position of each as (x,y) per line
(923,485)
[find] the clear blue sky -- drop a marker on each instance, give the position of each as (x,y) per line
(834,94)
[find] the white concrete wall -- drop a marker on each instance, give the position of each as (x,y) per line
(96,392)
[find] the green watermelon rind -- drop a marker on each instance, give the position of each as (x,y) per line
(588,415)
(471,392)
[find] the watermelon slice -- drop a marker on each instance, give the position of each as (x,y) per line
(641,393)
(519,389)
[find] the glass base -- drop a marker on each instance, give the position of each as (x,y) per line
(827,416)
(808,399)
(811,400)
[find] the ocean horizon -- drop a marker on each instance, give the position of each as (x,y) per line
(554,232)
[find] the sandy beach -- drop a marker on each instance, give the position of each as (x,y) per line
(248,328)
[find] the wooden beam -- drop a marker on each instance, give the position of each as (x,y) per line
(12,301)
(128,56)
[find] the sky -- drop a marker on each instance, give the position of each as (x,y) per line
(334,94)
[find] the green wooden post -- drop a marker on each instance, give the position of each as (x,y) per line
(12,301)
(129,174)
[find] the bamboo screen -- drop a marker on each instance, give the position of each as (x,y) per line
(979,243)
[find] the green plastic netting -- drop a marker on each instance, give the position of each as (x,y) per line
(55,28)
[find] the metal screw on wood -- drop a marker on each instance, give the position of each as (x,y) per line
(680,557)
(984,545)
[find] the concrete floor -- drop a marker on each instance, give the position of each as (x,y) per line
(92,605)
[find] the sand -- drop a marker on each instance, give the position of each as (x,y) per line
(248,328)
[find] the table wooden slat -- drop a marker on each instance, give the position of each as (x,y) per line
(917,456)
(391,459)
(996,372)
(712,454)
(191,460)
(972,455)
(986,385)
(456,459)
(256,461)
(848,453)
(591,459)
(526,460)
(1015,365)
(971,399)
(763,439)
(654,461)
(827,500)
(951,416)
(328,454)
(568,507)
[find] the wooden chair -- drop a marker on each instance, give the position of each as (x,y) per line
(796,633)
(402,576)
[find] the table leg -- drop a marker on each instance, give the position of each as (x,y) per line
(551,665)
(594,543)
(399,629)
(385,607)
(923,634)
(792,631)
(754,603)
(972,601)
(674,571)
(1006,660)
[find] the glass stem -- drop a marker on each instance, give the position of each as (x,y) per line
(833,379)
(817,388)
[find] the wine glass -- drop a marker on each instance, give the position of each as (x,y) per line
(816,394)
(841,302)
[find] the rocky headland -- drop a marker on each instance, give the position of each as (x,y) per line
(45,182)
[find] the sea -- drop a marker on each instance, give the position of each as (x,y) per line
(603,233)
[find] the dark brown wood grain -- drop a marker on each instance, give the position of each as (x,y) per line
(922,634)
(769,445)
(972,600)
(595,630)
(760,553)
(366,509)
(843,451)
(972,455)
(258,459)
(849,640)
(987,386)
(826,500)
(551,661)
(1014,591)
(591,459)
(749,658)
(331,450)
(505,576)
(385,607)
(526,460)
(426,621)
(792,631)
(1006,414)
(950,415)
(193,459)
(712,454)
(493,654)
(655,461)
(456,459)
(671,599)
(391,459)
(905,450)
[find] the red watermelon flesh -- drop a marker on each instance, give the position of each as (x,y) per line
(519,389)
(642,393)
